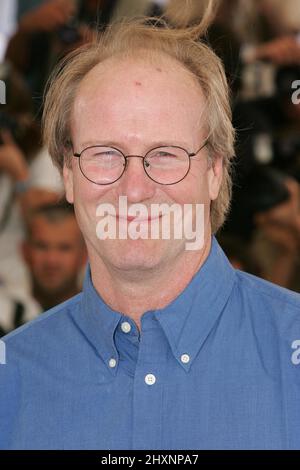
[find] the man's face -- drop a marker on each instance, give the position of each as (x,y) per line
(135,106)
(54,253)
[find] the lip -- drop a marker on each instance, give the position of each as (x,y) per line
(130,218)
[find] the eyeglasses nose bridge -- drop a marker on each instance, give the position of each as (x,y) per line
(136,156)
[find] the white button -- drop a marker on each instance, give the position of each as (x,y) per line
(185,358)
(150,379)
(126,327)
(112,362)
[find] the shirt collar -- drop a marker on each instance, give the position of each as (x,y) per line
(98,322)
(186,321)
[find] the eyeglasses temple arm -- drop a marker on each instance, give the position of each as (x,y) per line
(202,146)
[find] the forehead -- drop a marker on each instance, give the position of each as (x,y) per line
(40,224)
(140,96)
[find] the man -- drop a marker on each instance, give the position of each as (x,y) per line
(55,254)
(166,347)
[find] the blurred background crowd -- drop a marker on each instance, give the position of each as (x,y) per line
(42,254)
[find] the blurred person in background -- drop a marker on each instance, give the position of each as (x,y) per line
(278,39)
(27,176)
(55,254)
(277,239)
(266,217)
(49,29)
(268,128)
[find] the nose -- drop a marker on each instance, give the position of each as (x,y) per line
(135,184)
(52,258)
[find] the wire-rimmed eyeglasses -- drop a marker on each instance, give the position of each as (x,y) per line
(165,165)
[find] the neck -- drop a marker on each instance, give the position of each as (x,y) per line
(135,294)
(50,299)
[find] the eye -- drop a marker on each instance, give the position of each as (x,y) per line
(107,154)
(102,157)
(165,157)
(163,154)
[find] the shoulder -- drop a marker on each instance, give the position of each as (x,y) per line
(31,359)
(35,351)
(269,324)
(267,292)
(47,327)
(270,308)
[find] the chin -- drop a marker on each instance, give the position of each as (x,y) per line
(130,255)
(50,288)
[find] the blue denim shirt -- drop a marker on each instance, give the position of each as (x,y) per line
(218,368)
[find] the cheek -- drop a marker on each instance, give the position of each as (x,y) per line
(86,194)
(193,189)
(37,259)
(87,197)
(69,261)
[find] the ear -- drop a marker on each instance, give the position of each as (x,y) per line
(68,182)
(215,174)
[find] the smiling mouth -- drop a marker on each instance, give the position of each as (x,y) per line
(131,218)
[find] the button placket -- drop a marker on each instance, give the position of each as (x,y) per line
(185,358)
(125,327)
(112,362)
(150,379)
(149,385)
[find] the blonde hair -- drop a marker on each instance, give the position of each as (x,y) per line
(124,39)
